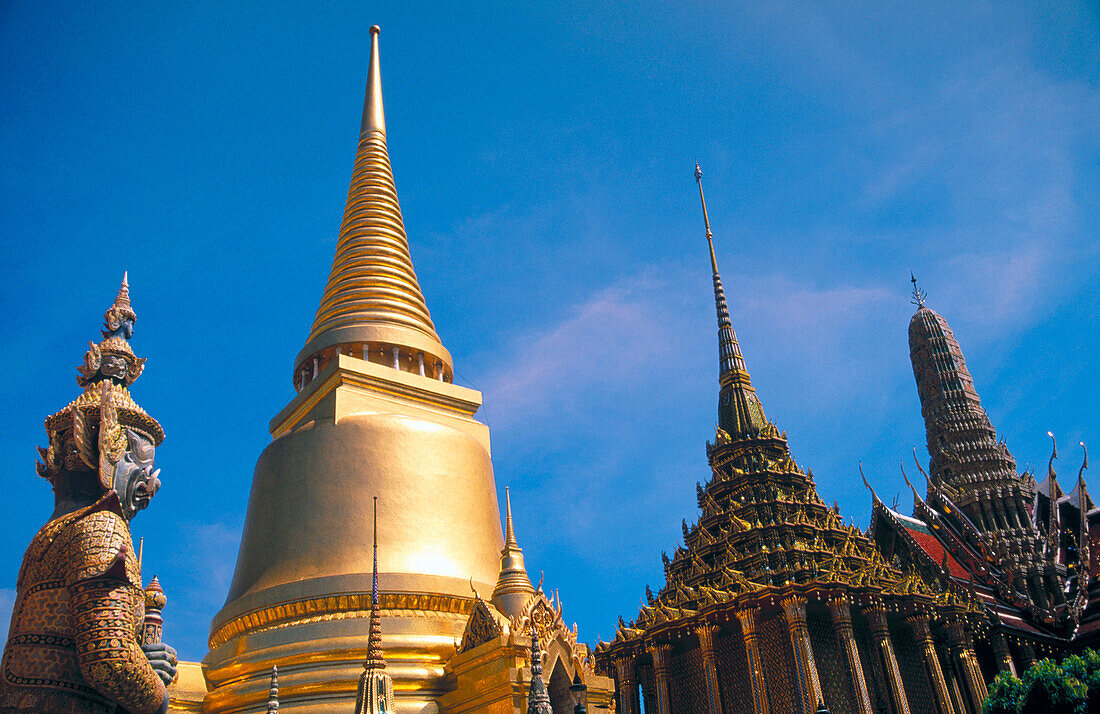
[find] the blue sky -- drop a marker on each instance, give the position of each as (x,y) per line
(543,157)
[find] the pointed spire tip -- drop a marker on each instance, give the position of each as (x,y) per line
(918,294)
(374,116)
(510,541)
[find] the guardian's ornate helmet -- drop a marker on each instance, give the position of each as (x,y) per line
(89,434)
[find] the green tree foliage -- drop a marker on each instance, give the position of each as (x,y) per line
(1004,695)
(1071,686)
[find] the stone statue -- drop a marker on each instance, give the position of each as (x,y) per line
(75,639)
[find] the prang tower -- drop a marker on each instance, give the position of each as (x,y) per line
(375,413)
(973,476)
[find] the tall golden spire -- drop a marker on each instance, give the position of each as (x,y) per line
(372,302)
(513,588)
(739,409)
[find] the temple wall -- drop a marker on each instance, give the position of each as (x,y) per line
(733,674)
(687,684)
(832,669)
(918,690)
(778,661)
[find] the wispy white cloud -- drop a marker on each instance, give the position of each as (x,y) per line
(610,342)
(207,556)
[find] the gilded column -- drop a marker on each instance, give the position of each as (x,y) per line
(919,625)
(1000,649)
(840,609)
(962,650)
(705,634)
(661,652)
(809,686)
(952,678)
(628,684)
(880,633)
(747,618)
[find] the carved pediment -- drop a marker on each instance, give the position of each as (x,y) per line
(482,627)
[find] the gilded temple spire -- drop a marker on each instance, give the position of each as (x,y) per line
(513,589)
(372,306)
(375,695)
(375,661)
(739,409)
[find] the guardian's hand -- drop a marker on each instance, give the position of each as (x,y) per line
(162,658)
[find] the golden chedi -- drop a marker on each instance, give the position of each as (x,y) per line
(375,413)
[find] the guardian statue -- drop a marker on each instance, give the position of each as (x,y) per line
(75,642)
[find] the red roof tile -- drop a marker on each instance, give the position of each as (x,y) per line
(932,546)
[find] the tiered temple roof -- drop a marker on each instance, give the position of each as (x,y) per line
(764,563)
(762,529)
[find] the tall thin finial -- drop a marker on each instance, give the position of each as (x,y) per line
(918,294)
(374,584)
(375,661)
(273,693)
(739,409)
(374,118)
(706,218)
(375,694)
(1084,464)
(509,529)
(1053,455)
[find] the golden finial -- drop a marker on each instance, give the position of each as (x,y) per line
(123,297)
(706,218)
(509,529)
(862,476)
(374,118)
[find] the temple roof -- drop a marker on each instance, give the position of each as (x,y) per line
(373,294)
(762,530)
